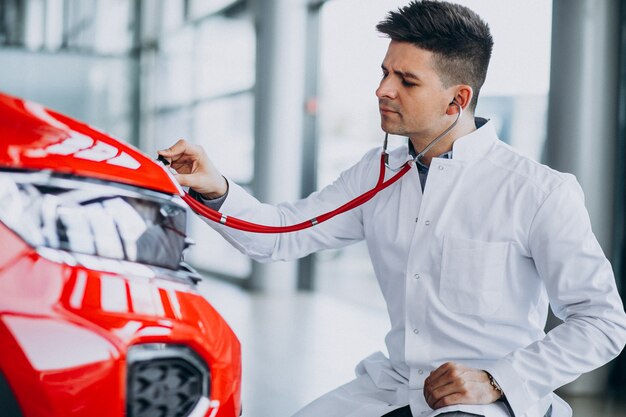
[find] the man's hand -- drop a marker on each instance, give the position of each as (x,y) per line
(452,383)
(195,169)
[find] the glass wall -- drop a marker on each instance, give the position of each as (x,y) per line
(67,54)
(148,72)
(198,74)
(618,374)
(514,97)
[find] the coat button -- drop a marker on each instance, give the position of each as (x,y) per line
(440,167)
(427,222)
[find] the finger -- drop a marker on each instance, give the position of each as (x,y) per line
(446,374)
(196,181)
(183,166)
(186,180)
(175,150)
(441,370)
(454,387)
(456,398)
(441,375)
(430,389)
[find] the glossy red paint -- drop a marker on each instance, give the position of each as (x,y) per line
(65,329)
(34,137)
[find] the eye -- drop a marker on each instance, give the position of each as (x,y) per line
(384,75)
(407,84)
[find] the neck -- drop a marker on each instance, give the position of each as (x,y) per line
(464,127)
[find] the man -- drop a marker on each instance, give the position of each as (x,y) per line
(468,248)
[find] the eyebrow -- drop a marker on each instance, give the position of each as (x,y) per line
(404,74)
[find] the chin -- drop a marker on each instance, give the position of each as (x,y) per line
(388,127)
(392,130)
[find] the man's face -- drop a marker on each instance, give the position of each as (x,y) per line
(412,99)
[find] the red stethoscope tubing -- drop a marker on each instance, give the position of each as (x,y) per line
(239,224)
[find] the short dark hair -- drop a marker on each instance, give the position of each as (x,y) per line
(459,39)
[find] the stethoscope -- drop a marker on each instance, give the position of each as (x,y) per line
(381,184)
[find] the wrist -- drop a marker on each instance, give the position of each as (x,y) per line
(220,192)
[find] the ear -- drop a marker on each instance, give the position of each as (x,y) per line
(462,96)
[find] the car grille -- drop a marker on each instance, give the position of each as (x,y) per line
(165,381)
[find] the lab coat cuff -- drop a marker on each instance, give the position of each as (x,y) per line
(238,203)
(238,200)
(513,386)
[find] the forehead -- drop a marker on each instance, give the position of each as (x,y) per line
(406,57)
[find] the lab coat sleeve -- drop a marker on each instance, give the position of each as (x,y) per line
(214,203)
(582,292)
(334,233)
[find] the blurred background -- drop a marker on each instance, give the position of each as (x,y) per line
(271,87)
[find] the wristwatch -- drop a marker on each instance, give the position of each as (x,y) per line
(495,385)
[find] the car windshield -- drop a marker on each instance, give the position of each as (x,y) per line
(81,217)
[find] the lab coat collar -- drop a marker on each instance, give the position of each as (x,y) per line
(471,146)
(477,143)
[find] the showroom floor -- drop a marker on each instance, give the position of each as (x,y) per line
(296,347)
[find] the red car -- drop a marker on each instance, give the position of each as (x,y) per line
(99,315)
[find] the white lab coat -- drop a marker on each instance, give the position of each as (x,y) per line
(467,269)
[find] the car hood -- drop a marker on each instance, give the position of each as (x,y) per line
(33,137)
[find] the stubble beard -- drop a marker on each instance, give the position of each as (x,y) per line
(392,127)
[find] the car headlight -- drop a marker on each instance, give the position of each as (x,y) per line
(92,218)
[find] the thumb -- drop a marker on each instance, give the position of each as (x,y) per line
(176,149)
(167,152)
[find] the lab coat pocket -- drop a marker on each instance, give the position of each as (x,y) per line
(472,275)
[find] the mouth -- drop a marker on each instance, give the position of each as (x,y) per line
(385,110)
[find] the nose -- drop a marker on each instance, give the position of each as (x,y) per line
(386,89)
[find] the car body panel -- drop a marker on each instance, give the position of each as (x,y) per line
(68,320)
(44,139)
